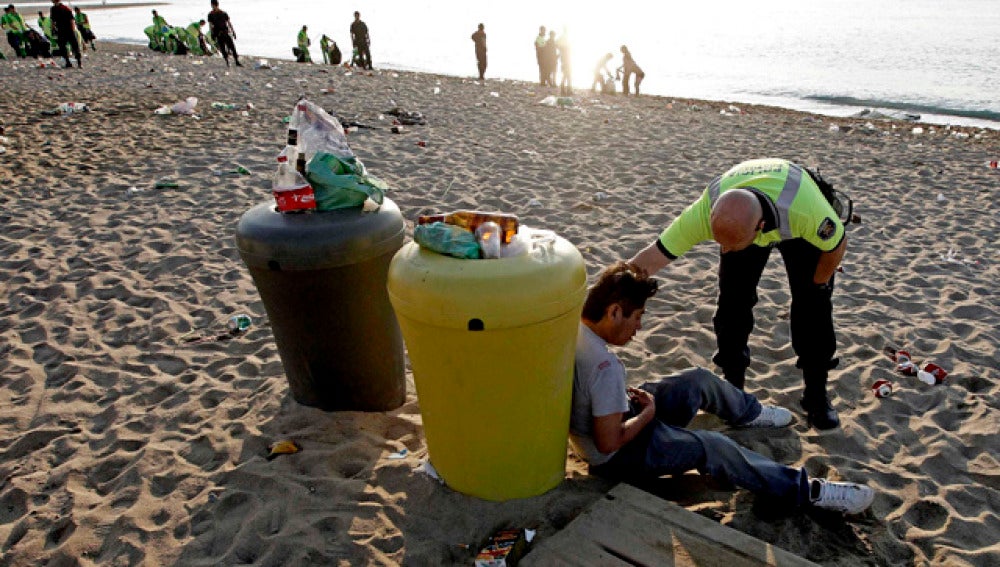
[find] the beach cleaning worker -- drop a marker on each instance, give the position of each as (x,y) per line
(303,41)
(324,46)
(194,31)
(756,206)
(14,25)
(639,433)
(221,29)
(45,23)
(83,26)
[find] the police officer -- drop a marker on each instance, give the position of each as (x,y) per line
(755,206)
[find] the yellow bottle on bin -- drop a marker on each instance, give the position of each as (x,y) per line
(491,344)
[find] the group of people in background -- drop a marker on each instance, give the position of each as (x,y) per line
(180,40)
(604,80)
(71,31)
(553,54)
(361,55)
(67,29)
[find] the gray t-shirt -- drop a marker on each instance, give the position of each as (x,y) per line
(598,390)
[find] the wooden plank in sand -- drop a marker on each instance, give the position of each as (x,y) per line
(630,527)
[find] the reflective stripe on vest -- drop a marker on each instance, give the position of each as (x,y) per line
(788,192)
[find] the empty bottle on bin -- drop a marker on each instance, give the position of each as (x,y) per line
(470,220)
(291,190)
(488,237)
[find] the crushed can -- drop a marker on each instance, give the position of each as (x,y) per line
(936,371)
(882,388)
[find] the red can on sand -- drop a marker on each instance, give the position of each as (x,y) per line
(939,373)
(882,388)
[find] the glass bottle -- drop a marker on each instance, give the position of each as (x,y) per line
(470,220)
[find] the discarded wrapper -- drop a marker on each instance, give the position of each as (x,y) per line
(284,447)
(504,549)
(882,388)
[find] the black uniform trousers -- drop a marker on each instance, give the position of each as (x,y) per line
(813,337)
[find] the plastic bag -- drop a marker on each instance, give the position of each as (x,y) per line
(447,239)
(341,183)
(337,176)
(185,106)
(318,131)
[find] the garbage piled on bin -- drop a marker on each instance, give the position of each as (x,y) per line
(469,234)
(317,170)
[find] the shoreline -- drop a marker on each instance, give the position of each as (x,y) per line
(122,443)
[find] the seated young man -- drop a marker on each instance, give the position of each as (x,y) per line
(648,439)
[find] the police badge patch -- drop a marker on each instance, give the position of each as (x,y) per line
(827,229)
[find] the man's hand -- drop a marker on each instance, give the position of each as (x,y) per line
(642,398)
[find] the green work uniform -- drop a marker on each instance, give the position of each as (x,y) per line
(806,215)
(802,225)
(13,24)
(304,46)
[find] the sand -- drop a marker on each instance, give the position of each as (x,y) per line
(121,444)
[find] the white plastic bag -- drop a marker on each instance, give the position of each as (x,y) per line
(185,106)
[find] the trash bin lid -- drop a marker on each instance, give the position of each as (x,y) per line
(546,282)
(269,239)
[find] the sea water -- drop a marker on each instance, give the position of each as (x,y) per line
(936,58)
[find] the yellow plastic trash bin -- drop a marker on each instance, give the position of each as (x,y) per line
(491,344)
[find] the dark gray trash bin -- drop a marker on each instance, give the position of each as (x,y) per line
(322,277)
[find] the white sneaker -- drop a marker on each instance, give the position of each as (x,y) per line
(771,416)
(846,497)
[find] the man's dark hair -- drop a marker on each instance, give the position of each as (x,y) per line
(621,283)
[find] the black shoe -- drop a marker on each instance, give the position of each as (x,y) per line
(238,64)
(820,413)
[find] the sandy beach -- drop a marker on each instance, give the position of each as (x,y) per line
(123,444)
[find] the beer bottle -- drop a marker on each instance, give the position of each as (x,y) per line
(300,164)
(470,220)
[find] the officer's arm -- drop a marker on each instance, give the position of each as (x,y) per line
(651,259)
(828,262)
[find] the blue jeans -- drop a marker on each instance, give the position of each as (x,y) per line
(665,447)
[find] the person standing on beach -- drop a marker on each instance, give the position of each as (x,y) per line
(83,25)
(45,23)
(223,34)
(324,46)
(304,43)
(565,60)
(361,41)
(755,206)
(479,38)
(639,433)
(64,26)
(628,69)
(551,53)
(14,25)
(540,56)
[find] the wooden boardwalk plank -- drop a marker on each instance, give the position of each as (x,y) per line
(630,527)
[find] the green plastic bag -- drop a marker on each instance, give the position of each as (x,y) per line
(342,183)
(447,239)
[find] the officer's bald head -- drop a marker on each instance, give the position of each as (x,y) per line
(735,219)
